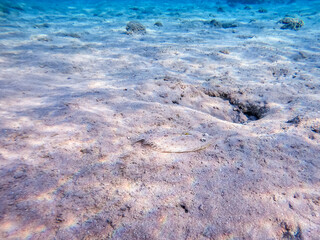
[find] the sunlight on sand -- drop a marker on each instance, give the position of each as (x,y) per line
(45,196)
(8,226)
(27,233)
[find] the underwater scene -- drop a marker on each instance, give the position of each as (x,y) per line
(163,120)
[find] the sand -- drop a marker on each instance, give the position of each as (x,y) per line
(189,131)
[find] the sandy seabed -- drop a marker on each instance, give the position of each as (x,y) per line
(189,131)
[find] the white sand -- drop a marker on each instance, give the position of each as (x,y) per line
(181,133)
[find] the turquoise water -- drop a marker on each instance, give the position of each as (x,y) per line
(22,5)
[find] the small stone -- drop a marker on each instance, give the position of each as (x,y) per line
(229,25)
(215,23)
(315,129)
(218,24)
(85,151)
(163,95)
(20,175)
(43,25)
(224,51)
(296,120)
(158,24)
(59,218)
(220,9)
(262,10)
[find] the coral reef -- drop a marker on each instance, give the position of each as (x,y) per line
(291,23)
(135,27)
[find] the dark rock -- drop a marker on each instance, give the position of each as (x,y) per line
(245,36)
(220,9)
(135,27)
(296,120)
(216,23)
(225,51)
(229,25)
(158,24)
(184,207)
(43,25)
(289,233)
(262,10)
(315,129)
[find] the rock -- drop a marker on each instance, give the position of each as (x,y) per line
(229,25)
(216,23)
(245,36)
(220,9)
(224,51)
(66,34)
(262,10)
(43,25)
(291,23)
(158,24)
(296,120)
(315,129)
(135,27)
